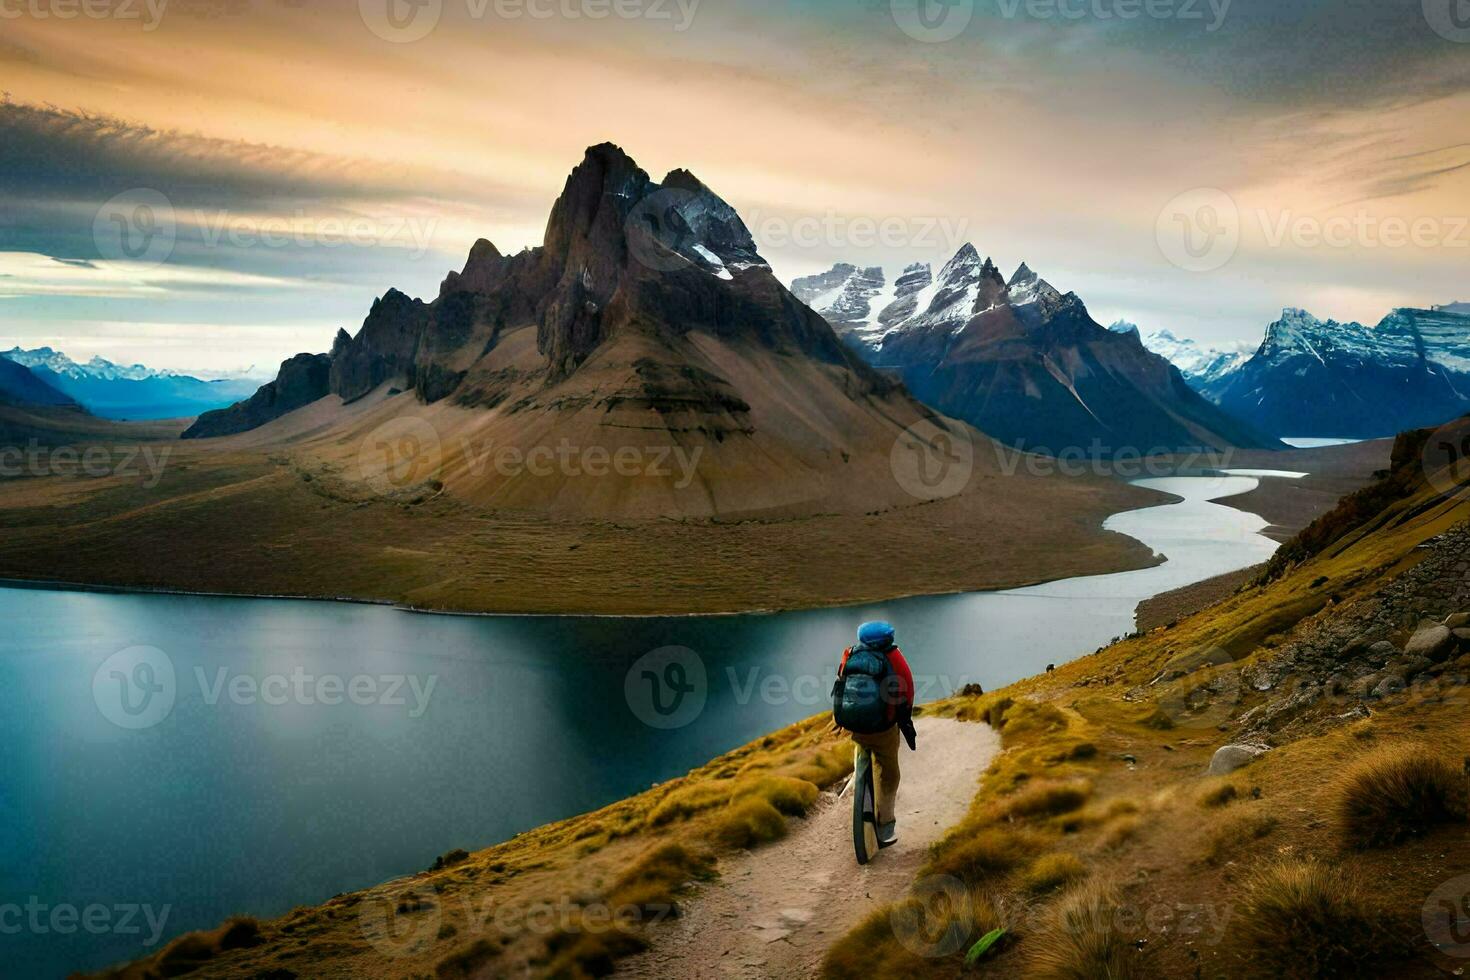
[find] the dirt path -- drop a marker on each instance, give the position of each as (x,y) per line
(773,912)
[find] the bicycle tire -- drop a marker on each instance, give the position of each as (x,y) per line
(864,809)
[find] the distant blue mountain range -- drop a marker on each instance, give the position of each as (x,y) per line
(117,392)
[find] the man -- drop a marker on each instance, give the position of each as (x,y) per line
(873,699)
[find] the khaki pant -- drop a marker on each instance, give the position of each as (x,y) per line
(884,749)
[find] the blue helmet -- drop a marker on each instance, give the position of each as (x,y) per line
(877,635)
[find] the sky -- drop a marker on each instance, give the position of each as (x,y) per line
(215,185)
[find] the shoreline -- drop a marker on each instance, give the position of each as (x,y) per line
(58,585)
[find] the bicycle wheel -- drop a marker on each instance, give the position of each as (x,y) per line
(864,810)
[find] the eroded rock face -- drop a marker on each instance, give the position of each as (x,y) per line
(301,380)
(623,257)
(383,349)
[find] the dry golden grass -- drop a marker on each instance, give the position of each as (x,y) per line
(1397,792)
(1304,919)
(1046,799)
(1234,833)
(1081,941)
(1051,871)
(1217,792)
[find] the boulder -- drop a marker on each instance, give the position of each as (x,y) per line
(1391,684)
(1433,641)
(1458,621)
(1229,758)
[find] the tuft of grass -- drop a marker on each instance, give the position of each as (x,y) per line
(1394,793)
(575,953)
(1234,833)
(467,962)
(1119,831)
(1217,792)
(1303,919)
(749,822)
(1051,871)
(974,857)
(793,797)
(1046,799)
(1081,940)
(665,868)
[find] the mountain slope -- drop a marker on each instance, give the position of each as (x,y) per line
(1200,365)
(1029,366)
(20,386)
(647,324)
(1327,379)
(128,392)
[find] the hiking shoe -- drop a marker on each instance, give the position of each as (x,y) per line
(888,834)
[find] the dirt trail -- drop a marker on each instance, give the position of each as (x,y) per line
(774,911)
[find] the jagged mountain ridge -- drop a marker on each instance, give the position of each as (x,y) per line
(1316,378)
(646,313)
(1029,366)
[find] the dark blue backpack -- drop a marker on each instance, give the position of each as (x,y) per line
(862,696)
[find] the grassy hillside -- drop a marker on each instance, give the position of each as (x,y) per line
(1103,844)
(1099,840)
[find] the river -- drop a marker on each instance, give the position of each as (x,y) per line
(196,757)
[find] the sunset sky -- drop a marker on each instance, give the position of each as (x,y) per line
(1076,135)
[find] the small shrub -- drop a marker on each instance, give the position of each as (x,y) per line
(450,859)
(1051,871)
(1303,919)
(1395,793)
(749,822)
(192,950)
(1081,942)
(870,950)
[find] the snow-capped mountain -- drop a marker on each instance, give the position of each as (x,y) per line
(99,368)
(1200,365)
(1317,378)
(132,391)
(1021,360)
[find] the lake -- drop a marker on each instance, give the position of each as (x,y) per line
(189,758)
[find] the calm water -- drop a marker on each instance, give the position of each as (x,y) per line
(241,787)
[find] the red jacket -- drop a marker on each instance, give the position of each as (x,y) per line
(904,700)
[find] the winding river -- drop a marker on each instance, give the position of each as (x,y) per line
(196,757)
